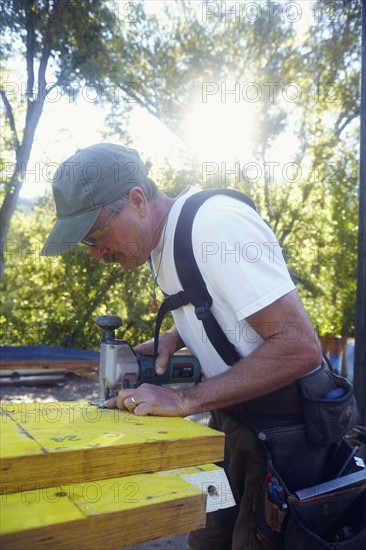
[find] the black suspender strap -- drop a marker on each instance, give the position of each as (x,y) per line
(174,301)
(194,287)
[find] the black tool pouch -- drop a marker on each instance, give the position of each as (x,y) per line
(311,519)
(319,505)
(295,464)
(324,518)
(329,407)
(304,528)
(299,463)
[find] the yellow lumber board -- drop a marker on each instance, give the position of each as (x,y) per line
(115,512)
(47,444)
(13,437)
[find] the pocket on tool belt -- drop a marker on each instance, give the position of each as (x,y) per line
(273,509)
(329,407)
(330,521)
(320,519)
(299,463)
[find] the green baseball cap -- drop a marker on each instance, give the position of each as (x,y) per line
(83,184)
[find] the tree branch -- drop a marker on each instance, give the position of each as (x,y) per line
(53,25)
(29,25)
(10,116)
(35,105)
(54,85)
(149,108)
(340,127)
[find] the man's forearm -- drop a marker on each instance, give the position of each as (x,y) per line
(281,358)
(173,335)
(267,369)
(271,366)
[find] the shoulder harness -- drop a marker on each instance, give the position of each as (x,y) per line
(194,287)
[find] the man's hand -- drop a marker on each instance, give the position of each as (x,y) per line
(169,343)
(283,357)
(149,399)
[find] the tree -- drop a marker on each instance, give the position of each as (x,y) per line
(56,300)
(178,52)
(64,45)
(307,208)
(330,68)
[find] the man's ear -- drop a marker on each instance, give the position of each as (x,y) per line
(138,200)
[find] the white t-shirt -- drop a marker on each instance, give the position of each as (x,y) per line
(241,262)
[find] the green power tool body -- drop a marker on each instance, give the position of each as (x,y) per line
(121,367)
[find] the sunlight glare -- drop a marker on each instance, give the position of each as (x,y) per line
(220,131)
(64,127)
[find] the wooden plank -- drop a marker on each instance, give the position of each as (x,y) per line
(47,444)
(111,513)
(75,366)
(30,370)
(36,377)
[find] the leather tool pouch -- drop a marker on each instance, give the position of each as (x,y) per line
(327,419)
(307,455)
(330,520)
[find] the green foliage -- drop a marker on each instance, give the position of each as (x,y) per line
(313,215)
(161,63)
(56,300)
(64,46)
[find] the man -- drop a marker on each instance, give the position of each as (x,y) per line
(105,200)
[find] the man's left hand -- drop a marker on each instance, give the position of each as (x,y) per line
(149,399)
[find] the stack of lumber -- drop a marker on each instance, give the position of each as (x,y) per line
(76,476)
(40,359)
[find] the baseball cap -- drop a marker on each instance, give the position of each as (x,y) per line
(83,184)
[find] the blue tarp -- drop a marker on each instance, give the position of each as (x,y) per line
(46,353)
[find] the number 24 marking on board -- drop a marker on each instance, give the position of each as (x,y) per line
(66,438)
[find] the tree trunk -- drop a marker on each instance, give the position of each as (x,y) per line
(34,112)
(6,213)
(11,198)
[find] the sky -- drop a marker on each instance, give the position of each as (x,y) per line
(214,129)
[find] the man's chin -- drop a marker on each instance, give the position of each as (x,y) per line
(120,259)
(129,265)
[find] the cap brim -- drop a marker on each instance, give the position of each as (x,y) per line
(68,232)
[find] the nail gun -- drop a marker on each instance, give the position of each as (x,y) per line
(121,367)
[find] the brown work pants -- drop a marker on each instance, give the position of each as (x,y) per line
(235,528)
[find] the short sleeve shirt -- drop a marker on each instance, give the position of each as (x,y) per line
(241,262)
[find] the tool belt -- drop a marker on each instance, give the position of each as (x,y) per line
(328,515)
(302,428)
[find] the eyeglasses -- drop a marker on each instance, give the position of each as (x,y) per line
(95,237)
